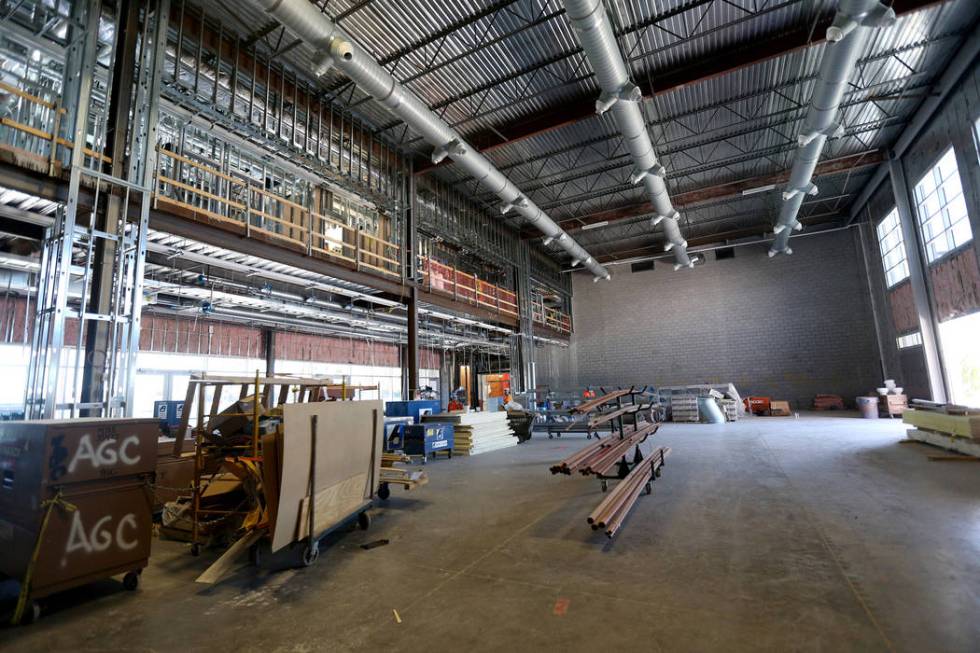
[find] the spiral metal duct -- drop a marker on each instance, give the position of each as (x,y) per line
(336,48)
(622,97)
(846,40)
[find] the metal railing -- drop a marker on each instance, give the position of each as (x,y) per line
(550,317)
(466,288)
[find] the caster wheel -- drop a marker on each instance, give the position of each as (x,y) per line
(131,580)
(255,555)
(384,491)
(33,612)
(310,554)
(195,550)
(363,521)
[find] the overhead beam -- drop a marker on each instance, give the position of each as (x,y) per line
(851,162)
(725,62)
(712,239)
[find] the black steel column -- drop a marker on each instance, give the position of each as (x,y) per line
(412,351)
(919,278)
(269,340)
(98,332)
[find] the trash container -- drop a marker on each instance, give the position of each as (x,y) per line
(80,491)
(868,407)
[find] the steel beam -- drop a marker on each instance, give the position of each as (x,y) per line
(918,277)
(412,349)
(697,196)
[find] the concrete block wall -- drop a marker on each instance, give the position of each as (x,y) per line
(788,327)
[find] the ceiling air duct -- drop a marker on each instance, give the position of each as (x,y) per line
(335,48)
(846,40)
(619,94)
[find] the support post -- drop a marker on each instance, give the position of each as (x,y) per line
(98,332)
(413,343)
(917,275)
(269,340)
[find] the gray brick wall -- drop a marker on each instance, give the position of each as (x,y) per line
(788,327)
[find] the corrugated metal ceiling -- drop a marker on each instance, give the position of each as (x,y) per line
(490,64)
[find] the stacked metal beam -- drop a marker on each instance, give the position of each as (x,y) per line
(601,456)
(609,514)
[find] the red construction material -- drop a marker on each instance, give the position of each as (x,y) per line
(828,402)
(757,405)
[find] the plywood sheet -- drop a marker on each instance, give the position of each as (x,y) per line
(332,504)
(348,446)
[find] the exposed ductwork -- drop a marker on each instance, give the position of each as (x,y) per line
(336,49)
(846,40)
(619,94)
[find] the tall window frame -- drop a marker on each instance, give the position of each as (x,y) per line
(940,207)
(891,244)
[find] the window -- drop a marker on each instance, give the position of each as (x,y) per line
(892,247)
(910,340)
(961,358)
(942,208)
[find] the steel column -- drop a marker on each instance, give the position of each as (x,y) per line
(914,250)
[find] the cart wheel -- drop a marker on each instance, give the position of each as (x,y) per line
(311,553)
(384,491)
(32,613)
(195,549)
(255,555)
(131,580)
(364,520)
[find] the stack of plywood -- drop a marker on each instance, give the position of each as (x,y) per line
(348,466)
(475,433)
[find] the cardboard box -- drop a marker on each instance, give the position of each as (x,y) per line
(779,409)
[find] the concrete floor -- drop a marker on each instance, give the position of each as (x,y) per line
(821,533)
